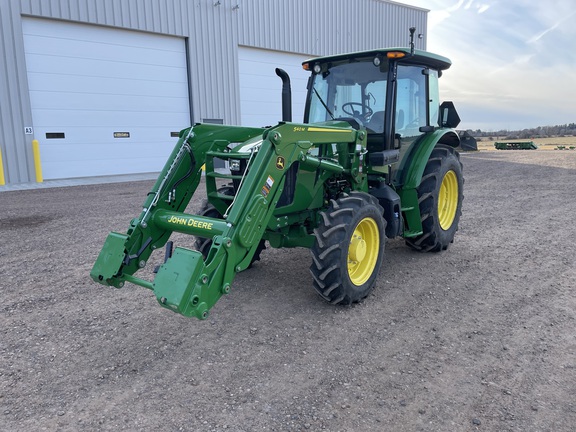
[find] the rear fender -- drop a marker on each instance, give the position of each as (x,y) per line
(415,162)
(412,169)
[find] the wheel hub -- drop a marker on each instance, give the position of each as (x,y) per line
(363,251)
(357,249)
(448,200)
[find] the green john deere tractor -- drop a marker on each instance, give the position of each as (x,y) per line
(374,158)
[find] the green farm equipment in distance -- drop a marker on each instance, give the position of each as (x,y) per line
(515,145)
(374,158)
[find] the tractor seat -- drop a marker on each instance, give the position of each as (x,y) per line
(376,123)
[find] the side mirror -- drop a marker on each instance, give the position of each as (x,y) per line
(448,115)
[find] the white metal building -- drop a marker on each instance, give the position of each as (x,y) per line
(105,85)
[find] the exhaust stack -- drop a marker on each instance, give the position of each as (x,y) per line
(286,95)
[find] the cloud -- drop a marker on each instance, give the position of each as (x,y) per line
(483,8)
(440,12)
(480,7)
(557,24)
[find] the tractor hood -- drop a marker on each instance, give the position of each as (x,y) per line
(249,146)
(253,144)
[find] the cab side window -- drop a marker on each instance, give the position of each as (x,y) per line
(411,112)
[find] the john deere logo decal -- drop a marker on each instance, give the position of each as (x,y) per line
(280,162)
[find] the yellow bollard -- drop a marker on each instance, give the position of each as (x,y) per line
(37,163)
(2,179)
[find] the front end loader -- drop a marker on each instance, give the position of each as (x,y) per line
(373,159)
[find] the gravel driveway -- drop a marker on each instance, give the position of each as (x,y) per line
(480,337)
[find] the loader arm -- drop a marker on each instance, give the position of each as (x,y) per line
(124,254)
(186,283)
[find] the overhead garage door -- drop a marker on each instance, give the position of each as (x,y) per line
(104,100)
(261,88)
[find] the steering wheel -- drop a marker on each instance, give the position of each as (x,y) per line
(348,108)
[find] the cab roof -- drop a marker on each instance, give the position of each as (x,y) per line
(420,57)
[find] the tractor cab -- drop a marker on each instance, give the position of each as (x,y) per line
(391,93)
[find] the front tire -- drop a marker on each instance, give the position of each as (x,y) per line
(349,248)
(440,196)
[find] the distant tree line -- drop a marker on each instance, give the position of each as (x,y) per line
(568,129)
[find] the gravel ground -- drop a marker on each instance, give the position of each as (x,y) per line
(480,337)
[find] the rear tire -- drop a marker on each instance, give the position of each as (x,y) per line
(349,248)
(440,196)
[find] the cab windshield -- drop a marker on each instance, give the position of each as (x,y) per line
(355,90)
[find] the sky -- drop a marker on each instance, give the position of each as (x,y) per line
(513,61)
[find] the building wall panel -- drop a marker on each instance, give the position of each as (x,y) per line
(324,27)
(15,112)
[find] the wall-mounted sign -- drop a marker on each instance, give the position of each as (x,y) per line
(121,134)
(55,135)
(28,130)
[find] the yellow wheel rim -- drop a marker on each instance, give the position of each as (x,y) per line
(363,251)
(448,200)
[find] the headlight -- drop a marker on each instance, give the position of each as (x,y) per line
(234,165)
